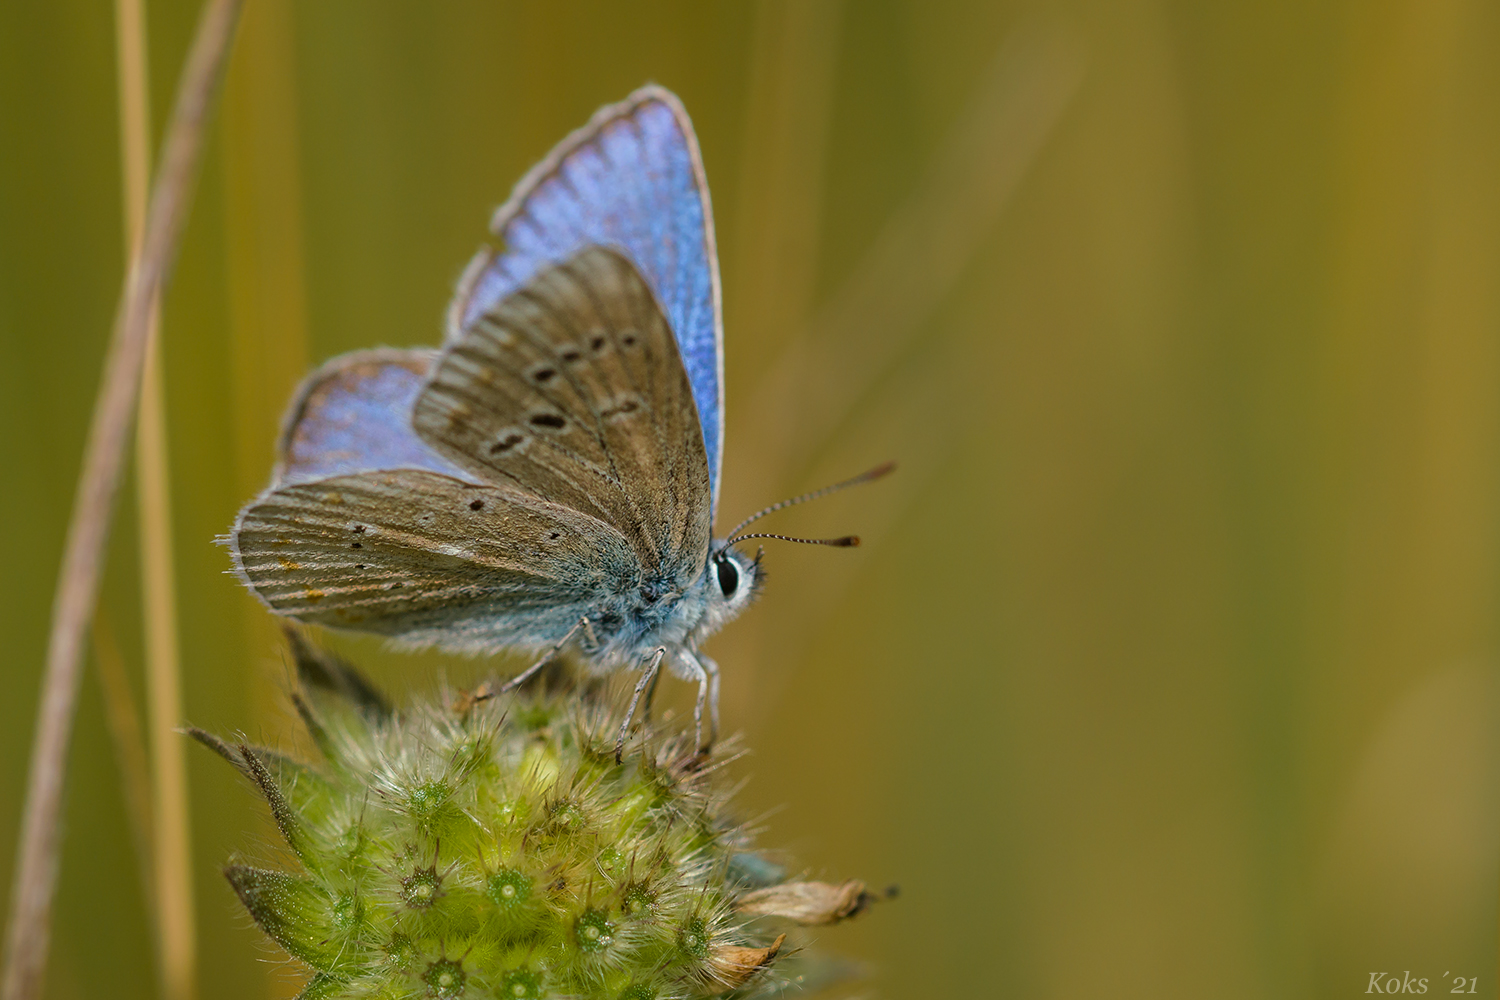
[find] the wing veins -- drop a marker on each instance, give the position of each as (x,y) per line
(613,334)
(645,314)
(540,341)
(467,396)
(565,321)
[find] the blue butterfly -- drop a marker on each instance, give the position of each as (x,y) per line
(549,477)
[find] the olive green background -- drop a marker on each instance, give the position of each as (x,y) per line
(1168,668)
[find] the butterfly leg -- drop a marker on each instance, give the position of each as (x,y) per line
(650,697)
(588,630)
(712,670)
(705,680)
(647,676)
(530,672)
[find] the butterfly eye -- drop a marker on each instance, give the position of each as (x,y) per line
(729,576)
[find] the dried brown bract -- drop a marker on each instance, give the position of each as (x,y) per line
(807,902)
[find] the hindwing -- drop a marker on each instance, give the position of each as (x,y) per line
(354,414)
(427,557)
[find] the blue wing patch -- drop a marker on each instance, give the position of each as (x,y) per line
(354,415)
(632,178)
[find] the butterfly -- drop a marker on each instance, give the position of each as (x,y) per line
(548,478)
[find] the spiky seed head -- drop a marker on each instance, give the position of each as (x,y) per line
(494,849)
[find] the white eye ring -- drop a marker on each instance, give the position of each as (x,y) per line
(728,574)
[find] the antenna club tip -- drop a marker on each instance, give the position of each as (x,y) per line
(884,469)
(847,542)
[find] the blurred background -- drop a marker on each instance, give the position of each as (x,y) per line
(1169,665)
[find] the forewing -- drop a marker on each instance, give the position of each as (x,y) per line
(353,415)
(571,388)
(631,178)
(428,558)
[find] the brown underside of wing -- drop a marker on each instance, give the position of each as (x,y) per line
(375,549)
(572,389)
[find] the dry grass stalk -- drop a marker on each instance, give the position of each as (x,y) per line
(104,454)
(172,891)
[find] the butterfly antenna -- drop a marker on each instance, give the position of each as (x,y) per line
(863,477)
(846,542)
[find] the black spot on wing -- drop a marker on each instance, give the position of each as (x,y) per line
(623,408)
(506,443)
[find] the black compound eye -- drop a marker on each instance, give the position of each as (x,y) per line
(729,576)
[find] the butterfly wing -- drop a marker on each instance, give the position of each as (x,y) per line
(632,178)
(572,388)
(428,558)
(354,414)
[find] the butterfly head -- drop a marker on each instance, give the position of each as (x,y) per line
(734,577)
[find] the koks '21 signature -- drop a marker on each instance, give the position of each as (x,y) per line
(1389,982)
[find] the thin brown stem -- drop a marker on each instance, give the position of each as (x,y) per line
(104,454)
(176,932)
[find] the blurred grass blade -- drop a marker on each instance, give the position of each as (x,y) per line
(922,250)
(173,893)
(124,723)
(917,258)
(265,268)
(27,937)
(794,56)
